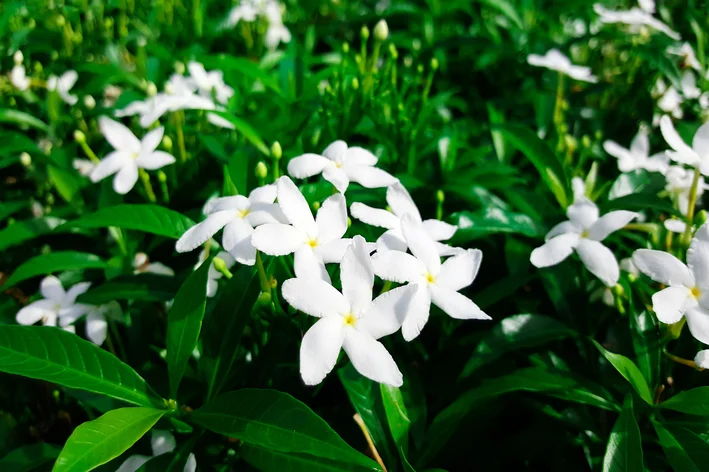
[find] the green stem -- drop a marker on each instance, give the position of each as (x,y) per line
(558,108)
(145,178)
(89,152)
(179,118)
(262,276)
(687,236)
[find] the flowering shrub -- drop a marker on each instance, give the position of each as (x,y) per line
(202,206)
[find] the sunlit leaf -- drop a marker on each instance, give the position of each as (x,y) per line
(624,452)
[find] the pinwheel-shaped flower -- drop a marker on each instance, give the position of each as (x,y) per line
(635,17)
(130,154)
(161,442)
(401,204)
(238,216)
(583,233)
(697,155)
(638,156)
(350,320)
(555,60)
(315,241)
(62,85)
(687,292)
(58,307)
(435,282)
(341,165)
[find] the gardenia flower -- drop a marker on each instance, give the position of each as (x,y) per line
(58,307)
(637,156)
(557,61)
(687,292)
(130,154)
(696,156)
(634,17)
(63,84)
(435,282)
(213,275)
(341,165)
(142,265)
(18,78)
(238,216)
(583,233)
(314,241)
(401,204)
(350,320)
(161,442)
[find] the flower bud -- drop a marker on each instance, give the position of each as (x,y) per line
(61,21)
(419,68)
(151,89)
(416,44)
(264,298)
(141,42)
(162,176)
(393,52)
(316,206)
(89,102)
(440,196)
(50,199)
(25,159)
(345,48)
(586,141)
(701,218)
(261,170)
(381,30)
(18,57)
(276,150)
(220,266)
(355,83)
(364,33)
(349,221)
(434,64)
(79,136)
(167,143)
(179,67)
(618,290)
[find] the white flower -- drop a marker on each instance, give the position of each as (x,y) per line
(314,241)
(142,265)
(83,166)
(637,156)
(436,282)
(401,204)
(341,165)
(685,51)
(246,10)
(161,442)
(687,289)
(674,225)
(696,156)
(634,17)
(238,216)
(679,184)
(96,323)
(627,265)
(130,154)
(63,84)
(213,275)
(647,5)
(671,102)
(18,78)
(583,232)
(58,307)
(210,84)
(689,85)
(250,10)
(557,61)
(350,320)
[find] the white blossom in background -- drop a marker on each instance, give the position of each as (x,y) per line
(349,320)
(18,78)
(161,442)
(83,166)
(213,275)
(97,321)
(401,204)
(251,10)
(340,165)
(689,58)
(636,18)
(583,233)
(436,283)
(129,155)
(670,100)
(687,291)
(209,84)
(58,307)
(679,184)
(638,156)
(62,85)
(689,85)
(238,216)
(313,241)
(556,60)
(142,265)
(697,155)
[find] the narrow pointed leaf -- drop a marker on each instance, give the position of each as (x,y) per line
(398,420)
(624,452)
(21,118)
(146,287)
(269,460)
(29,458)
(629,371)
(140,217)
(55,262)
(694,401)
(685,450)
(26,230)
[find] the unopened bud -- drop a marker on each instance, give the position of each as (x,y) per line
(440,196)
(571,142)
(79,136)
(346,48)
(393,52)
(61,21)
(355,83)
(180,67)
(349,221)
(151,89)
(316,206)
(264,298)
(381,30)
(618,290)
(419,68)
(167,143)
(50,199)
(276,150)
(434,64)
(141,42)
(364,33)
(89,102)
(18,57)
(261,170)
(162,176)
(220,266)
(586,141)
(25,159)
(416,44)
(701,218)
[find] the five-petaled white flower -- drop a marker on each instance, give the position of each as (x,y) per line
(341,165)
(435,282)
(58,307)
(556,60)
(687,292)
(350,320)
(161,442)
(63,84)
(142,265)
(635,17)
(638,156)
(238,216)
(129,155)
(401,204)
(583,233)
(315,241)
(697,155)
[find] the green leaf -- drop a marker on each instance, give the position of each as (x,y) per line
(398,420)
(184,322)
(29,458)
(694,401)
(96,442)
(638,202)
(629,371)
(145,287)
(515,332)
(54,355)
(9,208)
(647,341)
(22,231)
(541,156)
(246,130)
(66,183)
(506,9)
(241,65)
(224,326)
(277,421)
(685,450)
(624,452)
(23,119)
(492,221)
(275,461)
(140,217)
(55,262)
(636,182)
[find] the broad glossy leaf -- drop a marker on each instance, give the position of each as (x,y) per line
(67,185)
(54,355)
(629,371)
(685,450)
(277,421)
(639,202)
(224,326)
(398,420)
(246,130)
(107,437)
(21,118)
(29,458)
(624,452)
(22,231)
(515,332)
(55,262)
(145,287)
(647,342)
(492,221)
(139,217)
(269,460)
(694,401)
(637,181)
(184,322)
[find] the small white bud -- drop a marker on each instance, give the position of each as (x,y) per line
(18,57)
(89,102)
(381,31)
(25,159)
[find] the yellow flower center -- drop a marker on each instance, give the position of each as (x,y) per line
(338,164)
(584,234)
(430,278)
(350,319)
(242,213)
(134,155)
(312,242)
(696,292)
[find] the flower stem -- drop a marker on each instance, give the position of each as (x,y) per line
(89,152)
(682,361)
(179,119)
(386,287)
(263,277)
(687,236)
(370,443)
(145,178)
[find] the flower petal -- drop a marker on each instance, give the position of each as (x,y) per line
(159,268)
(700,142)
(335,151)
(616,150)
(332,219)
(37,311)
(309,265)
(357,275)
(702,359)
(583,213)
(295,207)
(202,232)
(672,137)
(151,141)
(670,304)
(456,305)
(387,312)
(235,203)
(262,213)
(320,347)
(96,328)
(599,260)
(236,239)
(369,177)
(554,251)
(73,292)
(307,165)
(419,309)
(155,160)
(663,268)
(51,289)
(392,240)
(400,201)
(191,464)
(277,239)
(109,165)
(118,135)
(459,271)
(609,223)
(439,230)
(133,463)
(371,358)
(640,145)
(358,156)
(337,177)
(264,194)
(373,216)
(698,257)
(398,266)
(334,251)
(315,297)
(162,442)
(698,323)
(126,178)
(562,228)
(420,243)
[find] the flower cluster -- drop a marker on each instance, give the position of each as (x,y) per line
(269,11)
